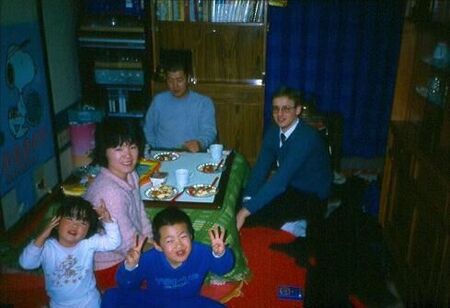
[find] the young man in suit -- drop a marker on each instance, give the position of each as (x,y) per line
(300,184)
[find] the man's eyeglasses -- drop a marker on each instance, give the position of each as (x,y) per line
(283,109)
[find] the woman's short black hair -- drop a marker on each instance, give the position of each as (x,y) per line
(112,133)
(168,217)
(79,209)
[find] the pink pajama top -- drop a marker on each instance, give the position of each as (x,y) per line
(124,203)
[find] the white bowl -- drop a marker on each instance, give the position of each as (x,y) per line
(158,178)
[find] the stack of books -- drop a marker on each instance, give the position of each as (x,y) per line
(237,11)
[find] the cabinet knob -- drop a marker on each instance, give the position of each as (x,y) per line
(193,80)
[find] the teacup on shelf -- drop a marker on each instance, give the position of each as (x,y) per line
(441,53)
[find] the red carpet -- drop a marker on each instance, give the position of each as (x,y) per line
(22,291)
(269,270)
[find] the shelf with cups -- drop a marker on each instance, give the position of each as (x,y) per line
(434,92)
(414,200)
(436,89)
(440,65)
(428,104)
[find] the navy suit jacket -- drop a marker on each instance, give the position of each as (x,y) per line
(304,164)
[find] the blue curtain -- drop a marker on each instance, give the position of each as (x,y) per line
(346,53)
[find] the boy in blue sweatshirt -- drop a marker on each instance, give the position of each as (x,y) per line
(174,270)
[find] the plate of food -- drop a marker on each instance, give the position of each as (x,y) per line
(210,168)
(166,156)
(201,190)
(162,192)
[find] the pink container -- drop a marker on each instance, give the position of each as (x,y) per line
(82,137)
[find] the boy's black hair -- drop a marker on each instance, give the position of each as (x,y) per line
(168,217)
(173,60)
(80,209)
(177,65)
(112,133)
(293,94)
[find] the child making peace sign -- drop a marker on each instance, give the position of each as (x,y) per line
(174,270)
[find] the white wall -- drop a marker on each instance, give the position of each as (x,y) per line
(60,37)
(59,18)
(12,12)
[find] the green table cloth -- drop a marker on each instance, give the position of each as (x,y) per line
(205,219)
(202,219)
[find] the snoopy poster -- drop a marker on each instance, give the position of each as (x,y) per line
(26,135)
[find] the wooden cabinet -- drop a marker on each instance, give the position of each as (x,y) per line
(415,196)
(114,54)
(415,216)
(228,64)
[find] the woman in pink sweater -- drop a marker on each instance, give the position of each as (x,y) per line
(118,145)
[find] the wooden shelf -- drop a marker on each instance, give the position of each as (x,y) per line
(118,65)
(115,53)
(228,64)
(439,65)
(210,23)
(112,29)
(415,196)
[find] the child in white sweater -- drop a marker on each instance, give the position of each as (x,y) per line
(65,250)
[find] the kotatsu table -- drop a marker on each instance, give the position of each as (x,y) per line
(205,213)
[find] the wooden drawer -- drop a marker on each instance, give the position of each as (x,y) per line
(426,253)
(403,159)
(432,189)
(403,206)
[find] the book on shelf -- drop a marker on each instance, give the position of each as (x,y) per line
(186,11)
(175,10)
(241,11)
(203,10)
(169,10)
(162,10)
(258,12)
(213,11)
(192,10)
(117,100)
(247,11)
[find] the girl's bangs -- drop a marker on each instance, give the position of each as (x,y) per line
(77,213)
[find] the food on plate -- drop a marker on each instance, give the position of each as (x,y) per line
(166,156)
(201,190)
(208,168)
(162,192)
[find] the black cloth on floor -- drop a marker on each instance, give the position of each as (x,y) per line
(350,255)
(291,206)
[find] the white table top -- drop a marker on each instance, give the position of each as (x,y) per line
(188,161)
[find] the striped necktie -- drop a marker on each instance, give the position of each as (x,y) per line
(282,138)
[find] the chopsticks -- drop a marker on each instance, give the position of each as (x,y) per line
(215,181)
(218,165)
(177,195)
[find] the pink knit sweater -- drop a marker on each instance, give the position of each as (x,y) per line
(125,205)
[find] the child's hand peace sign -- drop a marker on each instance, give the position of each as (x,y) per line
(134,254)
(217,237)
(103,213)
